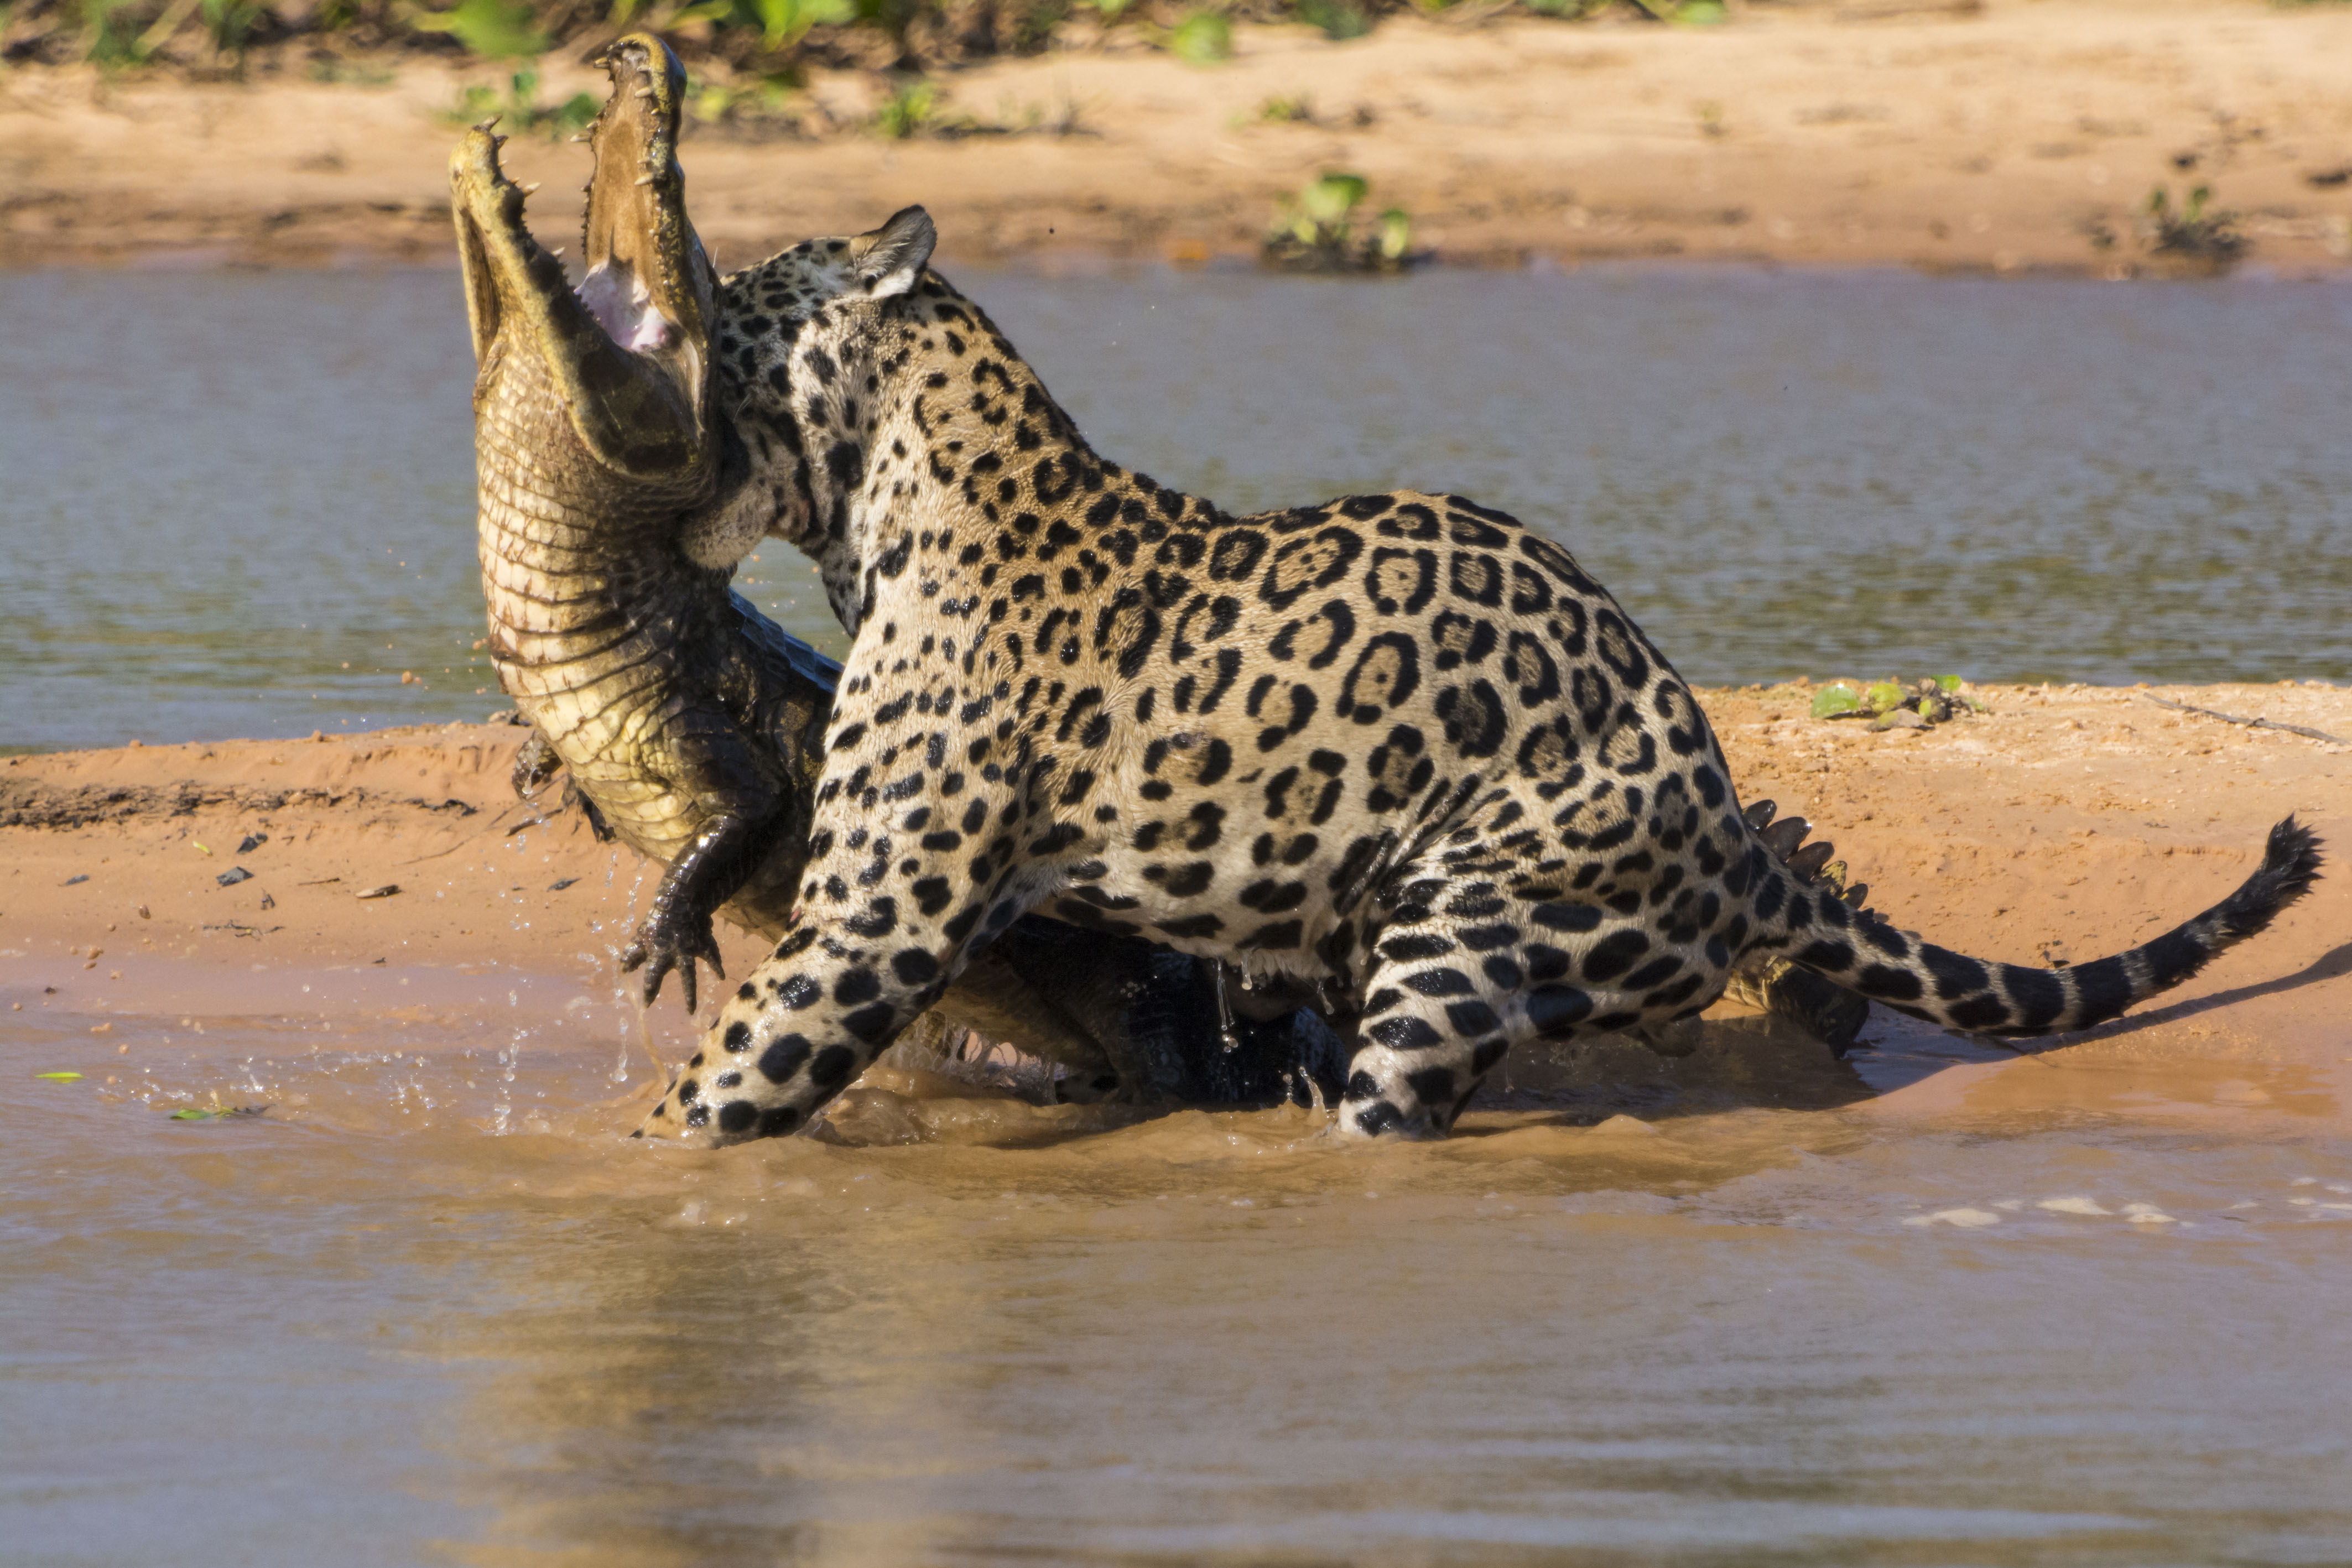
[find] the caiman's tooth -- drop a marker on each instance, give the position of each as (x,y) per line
(530,190)
(648,179)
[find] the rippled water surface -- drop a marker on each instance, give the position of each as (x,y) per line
(428,1307)
(1930,1307)
(241,504)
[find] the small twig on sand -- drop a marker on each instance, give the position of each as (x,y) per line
(2249,722)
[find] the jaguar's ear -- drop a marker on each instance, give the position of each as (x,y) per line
(892,258)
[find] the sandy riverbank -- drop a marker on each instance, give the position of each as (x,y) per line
(2068,823)
(2016,135)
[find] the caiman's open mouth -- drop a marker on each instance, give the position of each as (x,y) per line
(626,350)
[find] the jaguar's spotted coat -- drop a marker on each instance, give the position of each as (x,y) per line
(1399,744)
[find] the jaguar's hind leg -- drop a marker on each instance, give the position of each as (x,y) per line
(1465,970)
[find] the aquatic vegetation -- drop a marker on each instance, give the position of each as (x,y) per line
(1899,705)
(906,110)
(2195,232)
(1316,231)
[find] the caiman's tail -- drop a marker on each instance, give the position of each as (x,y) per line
(1859,950)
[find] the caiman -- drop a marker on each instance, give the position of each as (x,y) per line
(691,726)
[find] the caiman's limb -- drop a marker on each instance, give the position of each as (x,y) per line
(537,762)
(534,765)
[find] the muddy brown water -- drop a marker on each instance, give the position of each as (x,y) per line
(1752,1307)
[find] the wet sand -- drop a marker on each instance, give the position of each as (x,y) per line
(2068,823)
(2011,136)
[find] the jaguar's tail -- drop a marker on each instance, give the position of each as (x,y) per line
(1859,950)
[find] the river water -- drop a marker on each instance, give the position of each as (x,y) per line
(429,1308)
(1754,1308)
(241,504)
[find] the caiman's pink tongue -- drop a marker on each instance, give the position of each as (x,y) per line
(624,309)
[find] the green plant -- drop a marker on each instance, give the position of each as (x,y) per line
(1202,39)
(1314,231)
(742,105)
(106,39)
(520,109)
(782,23)
(228,23)
(1295,110)
(1336,19)
(1929,700)
(905,111)
(2194,232)
(494,29)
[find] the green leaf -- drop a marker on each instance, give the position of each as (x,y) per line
(1884,698)
(1949,682)
(1202,38)
(190,1113)
(494,29)
(1701,14)
(784,22)
(1832,701)
(59,1077)
(1331,199)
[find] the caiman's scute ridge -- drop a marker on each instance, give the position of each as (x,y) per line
(1400,745)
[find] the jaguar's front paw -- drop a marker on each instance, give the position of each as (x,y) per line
(672,939)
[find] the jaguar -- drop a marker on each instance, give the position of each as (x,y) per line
(1400,749)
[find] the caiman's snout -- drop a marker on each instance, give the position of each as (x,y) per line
(627,351)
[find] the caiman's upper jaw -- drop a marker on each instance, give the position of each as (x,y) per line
(627,354)
(648,281)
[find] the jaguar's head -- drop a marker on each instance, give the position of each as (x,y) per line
(806,343)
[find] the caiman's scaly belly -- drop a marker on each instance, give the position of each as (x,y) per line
(576,617)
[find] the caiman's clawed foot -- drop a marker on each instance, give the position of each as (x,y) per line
(678,932)
(672,939)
